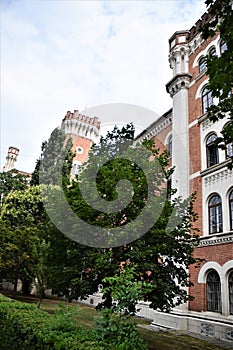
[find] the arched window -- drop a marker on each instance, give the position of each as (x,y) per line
(223,47)
(230,283)
(202,64)
(207,100)
(169,145)
(215,214)
(211,150)
(229,150)
(212,52)
(213,291)
(169,187)
(231,209)
(75,169)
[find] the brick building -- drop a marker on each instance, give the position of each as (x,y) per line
(201,167)
(84,131)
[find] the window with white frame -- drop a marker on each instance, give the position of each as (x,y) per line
(202,64)
(207,100)
(75,169)
(169,145)
(231,209)
(212,52)
(212,156)
(223,47)
(213,291)
(230,285)
(215,214)
(229,150)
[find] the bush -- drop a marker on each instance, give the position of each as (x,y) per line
(117,332)
(24,326)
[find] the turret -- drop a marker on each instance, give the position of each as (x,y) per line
(81,125)
(11,158)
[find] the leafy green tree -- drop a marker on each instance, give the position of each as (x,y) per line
(11,181)
(220,69)
(18,254)
(23,208)
(163,254)
(22,218)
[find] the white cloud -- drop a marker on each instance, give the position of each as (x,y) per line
(64,55)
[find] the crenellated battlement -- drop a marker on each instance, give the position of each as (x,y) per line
(205,18)
(183,37)
(81,125)
(82,118)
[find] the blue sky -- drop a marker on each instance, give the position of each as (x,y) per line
(65,55)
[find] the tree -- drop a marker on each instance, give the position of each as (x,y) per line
(162,254)
(220,69)
(23,224)
(56,154)
(11,181)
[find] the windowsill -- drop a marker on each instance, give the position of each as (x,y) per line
(216,235)
(202,118)
(215,167)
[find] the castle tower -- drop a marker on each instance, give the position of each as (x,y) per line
(84,131)
(11,158)
(178,87)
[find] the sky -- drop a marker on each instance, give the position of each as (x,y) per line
(72,55)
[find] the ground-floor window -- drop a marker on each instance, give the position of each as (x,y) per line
(213,291)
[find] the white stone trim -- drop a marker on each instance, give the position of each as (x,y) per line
(206,267)
(194,175)
(223,272)
(200,88)
(195,122)
(205,52)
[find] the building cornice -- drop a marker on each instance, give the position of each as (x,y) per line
(178,82)
(216,239)
(212,170)
(156,127)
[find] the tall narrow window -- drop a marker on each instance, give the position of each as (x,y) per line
(230,282)
(75,169)
(223,47)
(215,214)
(229,150)
(169,187)
(202,64)
(169,145)
(207,100)
(213,291)
(211,150)
(212,52)
(231,209)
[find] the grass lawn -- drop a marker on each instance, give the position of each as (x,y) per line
(157,340)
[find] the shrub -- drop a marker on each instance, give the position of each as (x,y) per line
(117,332)
(24,326)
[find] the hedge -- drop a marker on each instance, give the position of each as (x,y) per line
(24,326)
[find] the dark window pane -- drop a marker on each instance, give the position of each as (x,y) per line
(202,64)
(231,293)
(215,214)
(213,292)
(211,151)
(207,100)
(223,47)
(231,209)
